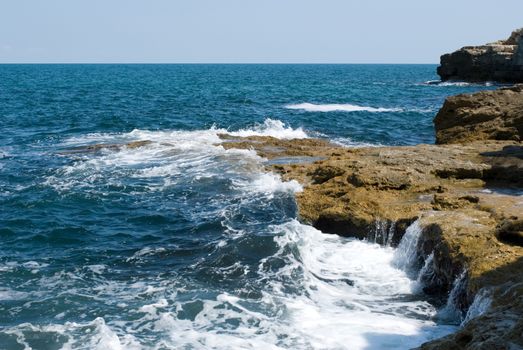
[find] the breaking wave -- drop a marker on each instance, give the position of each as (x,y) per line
(310,107)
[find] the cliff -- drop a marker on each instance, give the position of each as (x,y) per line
(500,61)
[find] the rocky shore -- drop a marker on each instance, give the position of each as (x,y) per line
(501,61)
(465,193)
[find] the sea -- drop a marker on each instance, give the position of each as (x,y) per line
(182,244)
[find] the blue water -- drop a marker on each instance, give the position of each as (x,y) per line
(181,243)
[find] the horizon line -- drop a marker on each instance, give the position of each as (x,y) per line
(213,63)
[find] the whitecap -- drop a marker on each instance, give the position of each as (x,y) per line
(457,83)
(274,128)
(348,142)
(267,183)
(310,107)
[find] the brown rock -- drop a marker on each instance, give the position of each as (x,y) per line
(486,115)
(511,231)
(349,190)
(358,192)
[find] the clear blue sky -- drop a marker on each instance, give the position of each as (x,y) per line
(267,31)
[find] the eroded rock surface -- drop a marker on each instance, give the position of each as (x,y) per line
(485,115)
(499,61)
(467,198)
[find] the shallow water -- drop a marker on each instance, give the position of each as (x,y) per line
(181,243)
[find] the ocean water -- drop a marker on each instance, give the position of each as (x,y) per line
(182,244)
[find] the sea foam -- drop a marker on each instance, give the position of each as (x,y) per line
(274,128)
(310,107)
(315,290)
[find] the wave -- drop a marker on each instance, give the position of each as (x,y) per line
(458,83)
(348,142)
(334,107)
(274,128)
(309,290)
(269,127)
(315,291)
(173,156)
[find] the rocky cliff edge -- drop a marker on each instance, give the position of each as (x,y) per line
(501,61)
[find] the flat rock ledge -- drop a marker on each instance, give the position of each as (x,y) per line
(466,198)
(501,61)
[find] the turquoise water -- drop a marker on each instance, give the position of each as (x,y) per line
(181,243)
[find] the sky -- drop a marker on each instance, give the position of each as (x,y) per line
(248,31)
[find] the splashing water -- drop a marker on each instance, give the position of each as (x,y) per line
(283,285)
(182,243)
(479,306)
(406,256)
(453,309)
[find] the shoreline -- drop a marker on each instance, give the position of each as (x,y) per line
(465,196)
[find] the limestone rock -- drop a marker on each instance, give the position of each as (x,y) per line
(499,61)
(348,190)
(471,231)
(485,115)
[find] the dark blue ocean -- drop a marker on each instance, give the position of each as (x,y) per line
(182,244)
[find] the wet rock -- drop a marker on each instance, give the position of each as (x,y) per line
(467,240)
(113,147)
(470,232)
(350,189)
(511,231)
(499,61)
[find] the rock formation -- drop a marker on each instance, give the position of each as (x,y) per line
(466,196)
(487,115)
(500,61)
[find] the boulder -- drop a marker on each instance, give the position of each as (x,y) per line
(485,115)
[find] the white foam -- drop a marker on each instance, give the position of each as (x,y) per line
(146,251)
(268,184)
(406,254)
(274,128)
(4,153)
(173,156)
(188,139)
(452,311)
(332,313)
(310,107)
(329,292)
(325,311)
(480,305)
(92,335)
(10,294)
(348,142)
(457,83)
(97,268)
(319,291)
